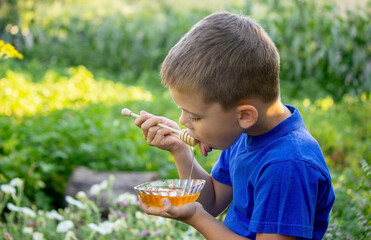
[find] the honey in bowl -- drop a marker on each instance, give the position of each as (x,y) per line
(178,191)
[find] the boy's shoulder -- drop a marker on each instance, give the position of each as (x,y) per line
(289,141)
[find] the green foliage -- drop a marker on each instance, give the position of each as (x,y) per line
(50,127)
(342,129)
(319,44)
(72,127)
(350,216)
(20,96)
(118,36)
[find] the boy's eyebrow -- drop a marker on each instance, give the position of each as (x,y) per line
(196,114)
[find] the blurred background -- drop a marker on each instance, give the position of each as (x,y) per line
(81,61)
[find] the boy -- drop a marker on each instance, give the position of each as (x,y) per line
(224,76)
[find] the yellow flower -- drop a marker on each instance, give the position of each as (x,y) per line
(8,51)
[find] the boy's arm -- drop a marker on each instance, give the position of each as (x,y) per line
(213,229)
(273,236)
(215,196)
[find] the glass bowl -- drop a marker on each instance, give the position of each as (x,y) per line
(178,191)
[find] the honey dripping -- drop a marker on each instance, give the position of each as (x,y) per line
(193,162)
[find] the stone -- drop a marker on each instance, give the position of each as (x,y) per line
(82,179)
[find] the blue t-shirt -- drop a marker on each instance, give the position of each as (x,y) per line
(281,183)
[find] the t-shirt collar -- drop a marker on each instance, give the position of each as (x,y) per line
(293,122)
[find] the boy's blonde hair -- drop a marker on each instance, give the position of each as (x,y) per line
(226,58)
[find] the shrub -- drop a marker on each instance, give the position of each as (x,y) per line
(342,129)
(319,45)
(349,218)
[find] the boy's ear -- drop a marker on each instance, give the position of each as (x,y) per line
(248,115)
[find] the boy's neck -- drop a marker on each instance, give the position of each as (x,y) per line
(270,115)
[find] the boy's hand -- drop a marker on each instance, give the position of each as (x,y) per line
(181,213)
(158,136)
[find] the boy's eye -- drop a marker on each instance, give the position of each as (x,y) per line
(194,119)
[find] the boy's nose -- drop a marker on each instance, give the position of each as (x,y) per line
(183,121)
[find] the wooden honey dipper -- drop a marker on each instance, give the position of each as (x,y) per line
(183,134)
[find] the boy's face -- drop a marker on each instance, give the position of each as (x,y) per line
(207,122)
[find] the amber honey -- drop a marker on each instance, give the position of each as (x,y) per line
(178,191)
(155,200)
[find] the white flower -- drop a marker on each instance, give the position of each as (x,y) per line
(8,189)
(28,211)
(64,226)
(27,230)
(75,202)
(70,236)
(95,189)
(94,227)
(104,184)
(37,236)
(16,182)
(54,215)
(161,221)
(25,210)
(139,215)
(13,207)
(127,198)
(119,224)
(103,228)
(81,195)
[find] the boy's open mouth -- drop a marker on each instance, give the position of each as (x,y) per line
(204,149)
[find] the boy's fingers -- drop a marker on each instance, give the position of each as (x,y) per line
(166,204)
(142,204)
(168,208)
(150,210)
(141,119)
(146,208)
(170,211)
(145,121)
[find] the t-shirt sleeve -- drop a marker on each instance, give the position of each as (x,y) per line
(220,170)
(285,199)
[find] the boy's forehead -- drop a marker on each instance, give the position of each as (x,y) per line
(190,102)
